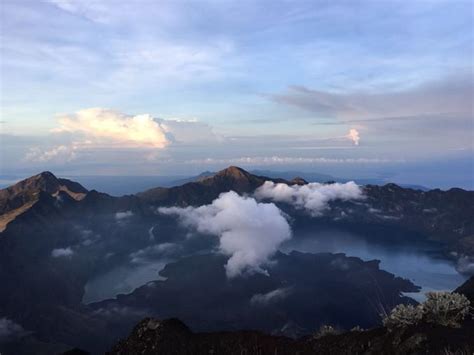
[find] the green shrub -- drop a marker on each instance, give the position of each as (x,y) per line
(325,330)
(445,308)
(403,316)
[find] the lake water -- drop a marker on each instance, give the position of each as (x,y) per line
(416,263)
(122,279)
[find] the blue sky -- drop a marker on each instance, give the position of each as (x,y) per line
(115,87)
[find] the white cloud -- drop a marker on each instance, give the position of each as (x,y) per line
(190,131)
(249,231)
(88,237)
(119,216)
(270,297)
(353,135)
(99,133)
(312,197)
(60,153)
(92,10)
(10,330)
(62,252)
(111,127)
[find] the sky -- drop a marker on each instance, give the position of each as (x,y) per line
(350,88)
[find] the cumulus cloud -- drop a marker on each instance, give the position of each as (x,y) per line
(100,133)
(62,252)
(313,197)
(115,127)
(353,135)
(262,299)
(10,330)
(249,231)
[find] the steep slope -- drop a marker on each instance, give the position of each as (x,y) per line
(467,289)
(18,198)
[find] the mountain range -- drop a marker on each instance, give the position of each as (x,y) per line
(444,216)
(57,237)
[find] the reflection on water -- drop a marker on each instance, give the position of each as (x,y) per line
(410,262)
(122,279)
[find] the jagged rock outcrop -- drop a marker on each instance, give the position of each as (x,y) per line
(171,336)
(153,337)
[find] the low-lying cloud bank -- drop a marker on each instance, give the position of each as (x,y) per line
(286,160)
(249,231)
(312,197)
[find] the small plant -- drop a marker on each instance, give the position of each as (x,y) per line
(445,308)
(325,330)
(403,316)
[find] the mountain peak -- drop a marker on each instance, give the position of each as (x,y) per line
(46,179)
(205,190)
(19,197)
(234,172)
(46,175)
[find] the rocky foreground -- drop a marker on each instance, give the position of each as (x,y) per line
(171,336)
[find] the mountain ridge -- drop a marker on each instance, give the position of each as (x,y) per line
(208,188)
(18,198)
(443,215)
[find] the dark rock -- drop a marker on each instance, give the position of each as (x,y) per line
(467,289)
